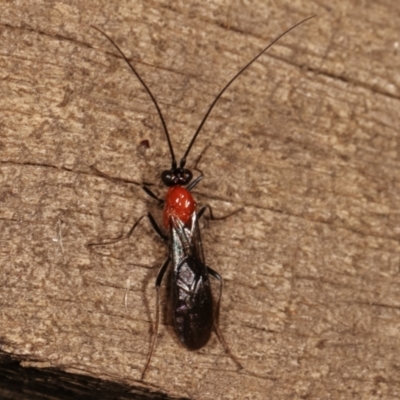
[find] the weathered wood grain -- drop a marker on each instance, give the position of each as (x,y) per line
(307,141)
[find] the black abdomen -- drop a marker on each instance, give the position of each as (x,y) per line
(193,308)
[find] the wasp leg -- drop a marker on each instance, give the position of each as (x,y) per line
(200,177)
(152,194)
(195,182)
(212,217)
(200,157)
(110,177)
(159,279)
(154,225)
(221,338)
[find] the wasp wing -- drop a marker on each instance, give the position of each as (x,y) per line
(191,292)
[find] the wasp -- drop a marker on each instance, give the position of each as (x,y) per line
(194,313)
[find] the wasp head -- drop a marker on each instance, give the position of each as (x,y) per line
(176,176)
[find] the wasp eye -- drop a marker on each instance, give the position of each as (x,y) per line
(168,178)
(186,176)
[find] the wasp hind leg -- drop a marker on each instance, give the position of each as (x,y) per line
(221,338)
(159,279)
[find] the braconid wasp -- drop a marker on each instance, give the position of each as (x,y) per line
(194,313)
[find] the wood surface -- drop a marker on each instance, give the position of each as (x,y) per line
(307,141)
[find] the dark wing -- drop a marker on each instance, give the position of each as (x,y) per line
(191,292)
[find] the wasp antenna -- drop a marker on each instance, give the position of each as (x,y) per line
(147,90)
(183,160)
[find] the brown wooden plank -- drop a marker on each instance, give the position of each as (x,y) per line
(307,141)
